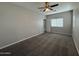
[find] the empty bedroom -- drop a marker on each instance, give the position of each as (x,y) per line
(39,28)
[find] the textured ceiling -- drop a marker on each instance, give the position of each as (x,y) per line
(63,6)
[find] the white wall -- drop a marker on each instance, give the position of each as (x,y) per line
(66,29)
(76,28)
(17,23)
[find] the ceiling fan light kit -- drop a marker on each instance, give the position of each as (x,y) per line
(46,10)
(48,7)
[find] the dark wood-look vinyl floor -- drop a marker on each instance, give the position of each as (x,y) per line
(46,44)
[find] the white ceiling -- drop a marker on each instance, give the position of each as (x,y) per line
(63,6)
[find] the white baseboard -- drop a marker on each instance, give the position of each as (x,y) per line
(19,41)
(62,33)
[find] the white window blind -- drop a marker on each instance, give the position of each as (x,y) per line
(58,22)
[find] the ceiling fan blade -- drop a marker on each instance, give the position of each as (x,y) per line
(54,5)
(50,8)
(44,10)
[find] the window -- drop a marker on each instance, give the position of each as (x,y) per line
(58,22)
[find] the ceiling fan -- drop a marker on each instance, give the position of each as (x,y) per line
(48,7)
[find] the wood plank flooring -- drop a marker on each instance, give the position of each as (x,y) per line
(46,44)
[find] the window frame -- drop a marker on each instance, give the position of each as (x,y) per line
(57,22)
